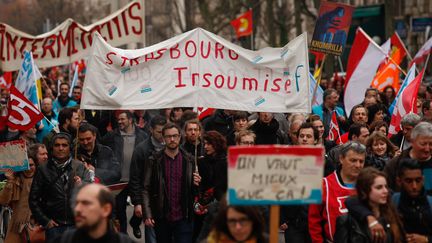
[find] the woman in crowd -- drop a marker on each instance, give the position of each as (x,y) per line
(238,224)
(240,122)
(15,194)
(379,126)
(319,125)
(376,112)
(379,150)
(390,95)
(373,193)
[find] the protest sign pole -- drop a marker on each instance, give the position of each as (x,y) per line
(252,39)
(274,223)
(319,79)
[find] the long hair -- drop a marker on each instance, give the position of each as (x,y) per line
(252,212)
(364,184)
(217,140)
(378,136)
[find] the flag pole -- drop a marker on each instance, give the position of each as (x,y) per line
(252,34)
(319,79)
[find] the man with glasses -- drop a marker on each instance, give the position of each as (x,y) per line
(170,184)
(336,188)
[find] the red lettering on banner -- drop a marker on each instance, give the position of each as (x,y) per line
(232,54)
(221,77)
(218,49)
(206,79)
(160,53)
(116,22)
(72,49)
(138,18)
(35,47)
(251,82)
(125,24)
(275,83)
(187,48)
(24,41)
(94,29)
(195,76)
(124,60)
(233,85)
(82,38)
(62,42)
(108,57)
(179,77)
(11,42)
(287,85)
(109,29)
(202,49)
(134,61)
(148,57)
(266,83)
(172,49)
(50,45)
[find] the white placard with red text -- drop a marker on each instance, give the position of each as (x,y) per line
(71,41)
(198,69)
(275,174)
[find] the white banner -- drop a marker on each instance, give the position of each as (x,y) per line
(198,68)
(70,41)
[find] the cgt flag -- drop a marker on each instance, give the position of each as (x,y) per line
(243,24)
(23,115)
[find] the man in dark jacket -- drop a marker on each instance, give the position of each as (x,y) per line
(123,141)
(93,207)
(97,157)
(221,121)
(169,188)
(267,130)
(52,186)
(137,168)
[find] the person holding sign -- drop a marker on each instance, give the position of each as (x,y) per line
(336,188)
(15,194)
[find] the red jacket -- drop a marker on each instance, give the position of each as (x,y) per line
(333,205)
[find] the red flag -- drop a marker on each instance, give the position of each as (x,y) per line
(406,103)
(204,112)
(334,133)
(23,115)
(397,42)
(243,24)
(6,80)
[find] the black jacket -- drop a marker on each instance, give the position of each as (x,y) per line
(351,230)
(114,140)
(268,133)
(107,167)
(213,171)
(138,165)
(155,193)
(51,192)
(219,122)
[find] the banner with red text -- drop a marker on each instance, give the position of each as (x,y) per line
(198,69)
(70,41)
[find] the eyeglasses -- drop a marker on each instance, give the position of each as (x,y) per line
(175,136)
(247,143)
(241,221)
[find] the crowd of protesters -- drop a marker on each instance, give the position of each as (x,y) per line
(376,187)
